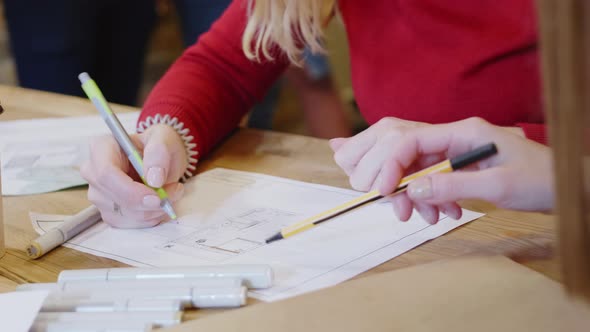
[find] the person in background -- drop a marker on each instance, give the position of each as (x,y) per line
(323,110)
(414,64)
(54,41)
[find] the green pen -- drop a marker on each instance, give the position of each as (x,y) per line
(99,101)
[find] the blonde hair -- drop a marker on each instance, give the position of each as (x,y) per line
(289,25)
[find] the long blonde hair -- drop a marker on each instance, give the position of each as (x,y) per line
(287,24)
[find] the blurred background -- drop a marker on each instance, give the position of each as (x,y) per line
(166,44)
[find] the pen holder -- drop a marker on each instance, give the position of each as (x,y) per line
(2,245)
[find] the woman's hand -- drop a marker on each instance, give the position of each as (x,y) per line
(114,187)
(518,177)
(362,156)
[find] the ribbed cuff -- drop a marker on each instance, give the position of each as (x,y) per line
(191,147)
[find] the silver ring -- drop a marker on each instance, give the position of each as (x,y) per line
(117,208)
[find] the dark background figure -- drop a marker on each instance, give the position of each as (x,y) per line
(53,41)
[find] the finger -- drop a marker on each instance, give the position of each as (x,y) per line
(350,153)
(402,206)
(119,187)
(452,210)
(428,212)
(117,221)
(175,191)
(164,156)
(389,177)
(107,172)
(336,143)
(486,185)
(107,205)
(366,171)
(420,145)
(105,151)
(450,140)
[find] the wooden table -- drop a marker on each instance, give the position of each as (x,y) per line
(525,237)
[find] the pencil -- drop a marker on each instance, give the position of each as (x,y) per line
(121,136)
(445,166)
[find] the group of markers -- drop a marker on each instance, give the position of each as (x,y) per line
(141,299)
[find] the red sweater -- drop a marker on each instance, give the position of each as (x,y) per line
(422,60)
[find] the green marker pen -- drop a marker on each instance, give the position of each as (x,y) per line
(99,101)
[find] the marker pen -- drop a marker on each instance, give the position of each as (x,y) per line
(133,284)
(115,326)
(253,276)
(164,318)
(189,296)
(125,305)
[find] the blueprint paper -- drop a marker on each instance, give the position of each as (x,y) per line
(226,216)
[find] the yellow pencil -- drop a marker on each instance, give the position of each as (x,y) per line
(448,165)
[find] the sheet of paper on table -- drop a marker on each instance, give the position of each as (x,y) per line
(44,155)
(226,215)
(19,309)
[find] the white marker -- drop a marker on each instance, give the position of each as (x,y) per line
(71,227)
(133,284)
(229,297)
(165,318)
(254,276)
(116,326)
(82,305)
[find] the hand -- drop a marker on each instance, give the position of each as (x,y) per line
(519,177)
(114,187)
(362,156)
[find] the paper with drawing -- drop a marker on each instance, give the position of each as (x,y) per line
(226,215)
(44,155)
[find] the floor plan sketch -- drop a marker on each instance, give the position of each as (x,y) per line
(237,235)
(226,216)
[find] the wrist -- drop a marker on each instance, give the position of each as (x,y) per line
(186,139)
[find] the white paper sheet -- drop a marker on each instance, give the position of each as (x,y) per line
(19,309)
(226,215)
(44,155)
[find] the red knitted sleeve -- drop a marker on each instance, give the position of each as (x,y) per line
(535,131)
(207,91)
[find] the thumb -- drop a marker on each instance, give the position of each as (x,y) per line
(164,155)
(451,187)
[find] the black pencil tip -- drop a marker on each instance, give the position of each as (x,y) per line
(274,238)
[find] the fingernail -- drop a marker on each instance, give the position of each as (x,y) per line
(420,189)
(155,177)
(151,201)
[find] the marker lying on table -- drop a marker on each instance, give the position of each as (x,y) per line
(99,101)
(446,166)
(71,227)
(252,275)
(190,297)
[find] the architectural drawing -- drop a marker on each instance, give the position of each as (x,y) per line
(236,235)
(226,216)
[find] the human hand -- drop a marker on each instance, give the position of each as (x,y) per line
(114,187)
(362,156)
(519,177)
